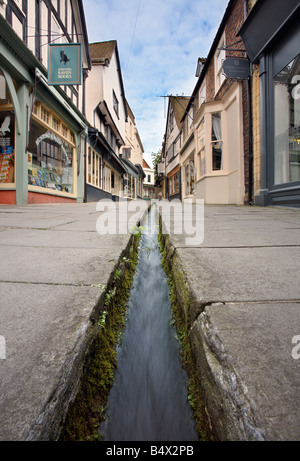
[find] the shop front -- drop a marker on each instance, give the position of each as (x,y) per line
(51,157)
(272,38)
(7,145)
(42,133)
(104,170)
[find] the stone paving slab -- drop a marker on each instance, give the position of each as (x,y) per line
(244,279)
(245,350)
(242,274)
(58,265)
(51,280)
(43,325)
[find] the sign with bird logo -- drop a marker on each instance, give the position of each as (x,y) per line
(64,64)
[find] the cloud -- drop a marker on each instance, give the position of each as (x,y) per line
(159,43)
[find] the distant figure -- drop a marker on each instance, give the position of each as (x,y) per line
(160,196)
(63,57)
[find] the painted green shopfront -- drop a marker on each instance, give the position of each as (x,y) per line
(42,133)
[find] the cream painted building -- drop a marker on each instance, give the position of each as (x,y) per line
(215,141)
(106,112)
(133,150)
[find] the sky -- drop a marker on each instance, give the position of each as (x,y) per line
(159,42)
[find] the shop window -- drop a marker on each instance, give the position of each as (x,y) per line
(189,178)
(35,108)
(287,123)
(50,159)
(89,168)
(129,186)
(94,168)
(64,130)
(7,151)
(174,184)
(106,177)
(216,142)
(4,94)
(55,123)
(45,115)
(72,137)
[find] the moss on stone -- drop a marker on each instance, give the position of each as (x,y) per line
(88,410)
(181,300)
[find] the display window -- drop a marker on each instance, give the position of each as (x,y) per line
(174,184)
(287,123)
(94,168)
(129,186)
(7,135)
(7,151)
(50,153)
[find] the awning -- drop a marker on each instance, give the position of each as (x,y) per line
(131,169)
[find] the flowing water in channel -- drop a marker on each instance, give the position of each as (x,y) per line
(148,401)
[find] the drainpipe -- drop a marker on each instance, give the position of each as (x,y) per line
(250,128)
(250,125)
(85,74)
(180,184)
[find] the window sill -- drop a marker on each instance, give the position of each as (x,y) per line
(43,190)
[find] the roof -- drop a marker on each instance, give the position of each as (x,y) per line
(145,164)
(102,50)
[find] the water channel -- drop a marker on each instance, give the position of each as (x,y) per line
(148,401)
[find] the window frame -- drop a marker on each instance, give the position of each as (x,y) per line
(115,103)
(214,142)
(220,56)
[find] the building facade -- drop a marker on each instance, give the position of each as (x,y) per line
(149,181)
(106,112)
(113,141)
(42,126)
(132,154)
(271,35)
(173,141)
(215,151)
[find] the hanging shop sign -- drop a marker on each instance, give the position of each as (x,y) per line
(236,68)
(64,64)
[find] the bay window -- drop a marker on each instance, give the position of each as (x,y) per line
(216,142)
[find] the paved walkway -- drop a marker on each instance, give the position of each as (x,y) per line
(54,266)
(245,287)
(244,283)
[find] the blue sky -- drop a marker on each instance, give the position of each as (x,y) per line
(159,42)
